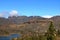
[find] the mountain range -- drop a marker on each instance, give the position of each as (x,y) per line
(28,23)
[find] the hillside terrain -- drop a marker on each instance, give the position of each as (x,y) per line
(24,24)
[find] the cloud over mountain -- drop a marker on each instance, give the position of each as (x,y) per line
(13,13)
(1,15)
(4,14)
(47,16)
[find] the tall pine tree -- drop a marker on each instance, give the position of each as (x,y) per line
(51,32)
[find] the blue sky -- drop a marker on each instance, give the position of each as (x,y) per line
(29,7)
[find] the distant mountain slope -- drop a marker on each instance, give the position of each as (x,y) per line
(21,19)
(3,21)
(24,22)
(56,20)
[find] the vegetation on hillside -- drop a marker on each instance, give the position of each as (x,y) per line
(49,35)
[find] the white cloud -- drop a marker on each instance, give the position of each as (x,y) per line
(47,16)
(4,14)
(1,15)
(13,13)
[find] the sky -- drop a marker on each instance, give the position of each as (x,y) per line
(44,8)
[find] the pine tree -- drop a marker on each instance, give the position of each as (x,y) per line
(51,33)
